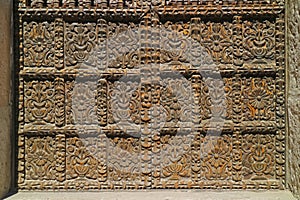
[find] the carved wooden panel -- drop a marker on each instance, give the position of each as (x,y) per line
(151,94)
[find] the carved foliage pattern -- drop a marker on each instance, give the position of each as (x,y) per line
(81,158)
(73,154)
(124,163)
(258,157)
(258,95)
(259,41)
(81,102)
(39,102)
(228,43)
(215,153)
(39,44)
(216,37)
(40,160)
(175,159)
(80,41)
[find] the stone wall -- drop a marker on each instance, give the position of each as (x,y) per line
(293,92)
(5,106)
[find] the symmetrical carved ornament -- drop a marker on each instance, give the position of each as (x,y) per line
(111,95)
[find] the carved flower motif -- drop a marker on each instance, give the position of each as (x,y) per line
(38,38)
(81,185)
(40,158)
(80,41)
(217,43)
(258,98)
(216,153)
(175,171)
(258,158)
(259,41)
(123,43)
(38,44)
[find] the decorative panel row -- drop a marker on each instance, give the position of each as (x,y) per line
(98,162)
(58,103)
(129,4)
(101,46)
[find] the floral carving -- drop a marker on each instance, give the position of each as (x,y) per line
(122,99)
(82,104)
(81,161)
(258,159)
(59,101)
(124,160)
(39,102)
(120,44)
(176,99)
(80,41)
(40,160)
(259,41)
(216,37)
(216,152)
(76,109)
(175,157)
(259,99)
(38,44)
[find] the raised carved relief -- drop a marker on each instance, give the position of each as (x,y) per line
(216,37)
(258,95)
(39,44)
(81,158)
(258,159)
(132,95)
(81,102)
(79,42)
(259,41)
(175,159)
(215,155)
(39,98)
(124,163)
(40,163)
(124,102)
